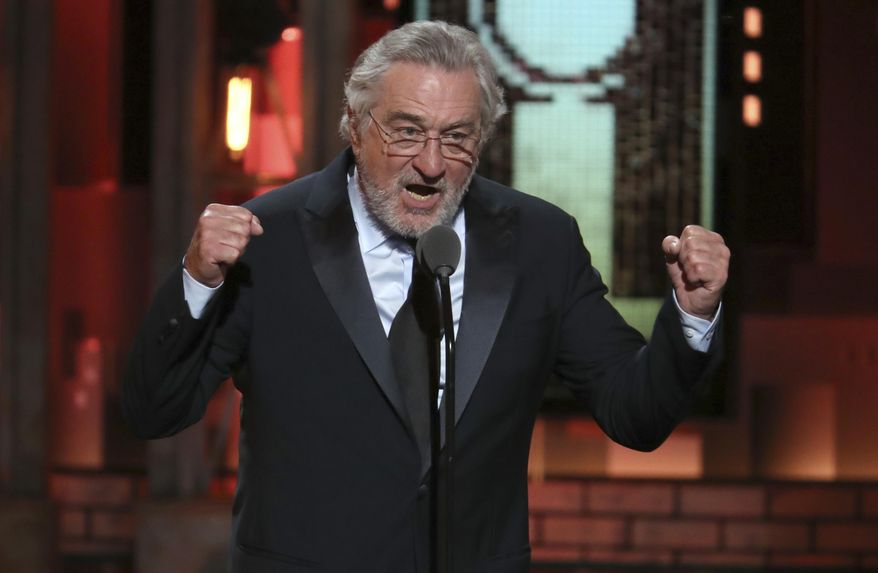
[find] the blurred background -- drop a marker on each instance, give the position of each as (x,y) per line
(121,119)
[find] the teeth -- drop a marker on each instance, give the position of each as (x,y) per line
(418,197)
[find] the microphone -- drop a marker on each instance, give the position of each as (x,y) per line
(438,250)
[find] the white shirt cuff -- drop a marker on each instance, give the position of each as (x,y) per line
(698,331)
(196,294)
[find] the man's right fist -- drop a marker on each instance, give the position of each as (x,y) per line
(220,238)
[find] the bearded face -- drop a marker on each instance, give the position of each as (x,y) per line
(408,206)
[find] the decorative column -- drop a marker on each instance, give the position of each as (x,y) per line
(326,59)
(24,198)
(182,53)
(25,58)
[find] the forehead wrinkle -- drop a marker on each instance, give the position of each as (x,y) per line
(429,97)
(405,116)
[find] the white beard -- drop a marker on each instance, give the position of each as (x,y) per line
(385,207)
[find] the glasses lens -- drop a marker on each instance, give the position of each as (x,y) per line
(455,151)
(412,147)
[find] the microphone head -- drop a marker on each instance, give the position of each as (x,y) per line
(438,250)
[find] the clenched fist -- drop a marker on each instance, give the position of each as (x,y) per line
(220,238)
(698,264)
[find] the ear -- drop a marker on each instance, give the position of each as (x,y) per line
(354,126)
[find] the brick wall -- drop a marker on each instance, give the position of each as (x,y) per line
(609,522)
(94,514)
(705,524)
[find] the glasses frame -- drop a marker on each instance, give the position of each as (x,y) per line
(387,139)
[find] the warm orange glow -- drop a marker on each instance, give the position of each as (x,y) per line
(79,428)
(752,66)
(391,4)
(797,425)
(269,150)
(291,34)
(679,457)
(276,133)
(753,22)
(751,112)
(238,114)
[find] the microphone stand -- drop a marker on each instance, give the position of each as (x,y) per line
(445,504)
(439,249)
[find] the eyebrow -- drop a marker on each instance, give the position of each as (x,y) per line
(419,120)
(405,116)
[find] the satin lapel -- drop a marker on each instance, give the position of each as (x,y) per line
(335,255)
(491,238)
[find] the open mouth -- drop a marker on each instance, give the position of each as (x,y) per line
(421,192)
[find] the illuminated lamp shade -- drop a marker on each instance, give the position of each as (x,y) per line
(751,111)
(752,22)
(752,66)
(391,5)
(238,114)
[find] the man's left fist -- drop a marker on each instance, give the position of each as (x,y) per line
(698,264)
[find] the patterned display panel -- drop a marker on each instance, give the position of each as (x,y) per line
(611,117)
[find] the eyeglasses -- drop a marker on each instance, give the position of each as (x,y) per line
(409,141)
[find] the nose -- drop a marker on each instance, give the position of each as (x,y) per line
(429,162)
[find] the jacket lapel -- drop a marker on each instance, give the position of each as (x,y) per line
(491,240)
(331,237)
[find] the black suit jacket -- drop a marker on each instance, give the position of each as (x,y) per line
(330,475)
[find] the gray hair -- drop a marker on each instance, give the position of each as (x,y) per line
(431,43)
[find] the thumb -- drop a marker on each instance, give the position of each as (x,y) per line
(256,226)
(671,247)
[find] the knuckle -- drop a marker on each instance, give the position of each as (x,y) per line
(210,210)
(242,213)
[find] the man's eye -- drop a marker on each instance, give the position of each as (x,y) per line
(454,137)
(408,132)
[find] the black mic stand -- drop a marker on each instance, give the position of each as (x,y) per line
(445,505)
(439,249)
(438,521)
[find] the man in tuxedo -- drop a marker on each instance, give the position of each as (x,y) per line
(295,294)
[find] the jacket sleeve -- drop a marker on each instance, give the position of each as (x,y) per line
(177,362)
(637,391)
